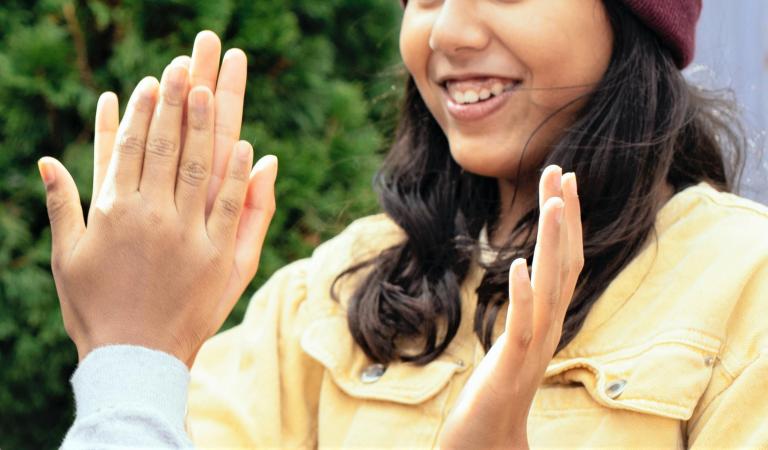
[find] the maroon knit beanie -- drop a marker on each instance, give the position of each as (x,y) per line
(673,20)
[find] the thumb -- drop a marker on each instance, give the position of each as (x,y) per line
(63,203)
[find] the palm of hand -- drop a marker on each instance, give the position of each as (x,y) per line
(493,407)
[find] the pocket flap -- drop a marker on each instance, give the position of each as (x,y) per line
(666,377)
(329,341)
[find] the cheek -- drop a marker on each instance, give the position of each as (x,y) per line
(571,54)
(414,45)
(415,52)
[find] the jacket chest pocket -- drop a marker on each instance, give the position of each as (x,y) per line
(637,396)
(363,404)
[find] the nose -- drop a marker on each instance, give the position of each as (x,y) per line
(457,28)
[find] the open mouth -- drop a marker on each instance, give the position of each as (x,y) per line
(477,99)
(468,93)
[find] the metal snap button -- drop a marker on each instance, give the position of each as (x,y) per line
(615,388)
(460,363)
(372,373)
(709,361)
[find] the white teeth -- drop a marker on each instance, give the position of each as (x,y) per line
(471,96)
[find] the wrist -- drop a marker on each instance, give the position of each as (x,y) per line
(517,439)
(86,346)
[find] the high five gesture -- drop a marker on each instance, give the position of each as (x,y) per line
(153,267)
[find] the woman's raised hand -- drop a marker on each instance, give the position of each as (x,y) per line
(153,268)
(492,411)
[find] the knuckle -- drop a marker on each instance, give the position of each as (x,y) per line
(553,297)
(240,172)
(578,263)
(215,261)
(119,210)
(130,146)
(162,147)
(57,262)
(144,104)
(156,218)
(193,173)
(267,208)
(524,339)
(199,119)
(230,208)
(57,208)
(227,130)
(173,95)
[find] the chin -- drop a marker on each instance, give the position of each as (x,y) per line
(485,161)
(487,157)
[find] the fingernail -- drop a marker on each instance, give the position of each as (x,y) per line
(177,74)
(572,176)
(243,151)
(264,161)
(557,180)
(180,60)
(204,33)
(146,88)
(521,269)
(559,212)
(232,52)
(46,173)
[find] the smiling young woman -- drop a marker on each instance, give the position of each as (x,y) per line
(493,304)
(544,55)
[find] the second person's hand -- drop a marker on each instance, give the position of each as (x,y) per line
(152,268)
(227,81)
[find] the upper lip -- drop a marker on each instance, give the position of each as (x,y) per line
(443,79)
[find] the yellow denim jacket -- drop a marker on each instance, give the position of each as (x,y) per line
(674,354)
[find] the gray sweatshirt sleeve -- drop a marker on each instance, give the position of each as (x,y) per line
(129,397)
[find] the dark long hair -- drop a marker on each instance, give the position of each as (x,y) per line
(642,126)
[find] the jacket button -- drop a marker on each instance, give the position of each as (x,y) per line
(372,373)
(709,361)
(615,388)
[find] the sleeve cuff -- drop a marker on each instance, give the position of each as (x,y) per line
(118,376)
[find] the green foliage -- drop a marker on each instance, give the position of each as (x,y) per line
(320,96)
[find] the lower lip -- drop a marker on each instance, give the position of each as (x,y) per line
(479,110)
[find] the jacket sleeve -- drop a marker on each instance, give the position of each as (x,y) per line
(252,386)
(734,410)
